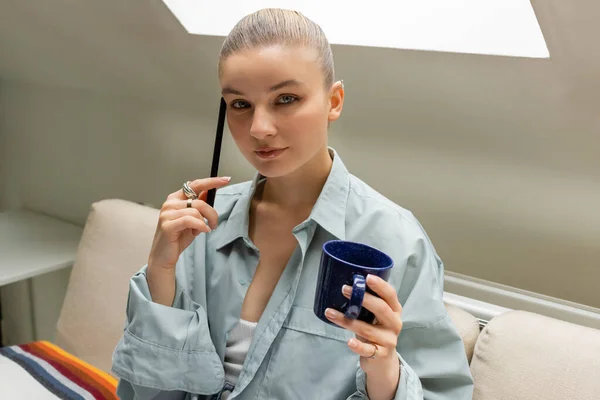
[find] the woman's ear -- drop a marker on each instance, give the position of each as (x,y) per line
(336,101)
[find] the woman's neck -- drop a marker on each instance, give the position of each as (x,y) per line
(300,189)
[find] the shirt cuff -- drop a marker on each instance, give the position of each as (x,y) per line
(167,348)
(409,386)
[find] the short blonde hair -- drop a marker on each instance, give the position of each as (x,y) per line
(275,26)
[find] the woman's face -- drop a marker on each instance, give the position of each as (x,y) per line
(278,108)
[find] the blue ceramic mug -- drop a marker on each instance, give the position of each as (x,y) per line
(348,263)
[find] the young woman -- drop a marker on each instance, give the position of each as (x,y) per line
(224,307)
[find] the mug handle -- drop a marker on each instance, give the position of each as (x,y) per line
(358,294)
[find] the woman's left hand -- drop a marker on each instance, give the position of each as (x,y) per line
(374,343)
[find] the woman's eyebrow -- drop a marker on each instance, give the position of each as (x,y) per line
(280,85)
(228,90)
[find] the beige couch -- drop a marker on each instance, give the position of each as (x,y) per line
(517,356)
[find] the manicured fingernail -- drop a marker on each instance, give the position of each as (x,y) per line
(225,178)
(329,313)
(371,279)
(352,342)
(347,290)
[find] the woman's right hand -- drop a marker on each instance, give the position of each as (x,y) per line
(178,225)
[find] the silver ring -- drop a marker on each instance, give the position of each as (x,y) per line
(189,202)
(187,190)
(374,352)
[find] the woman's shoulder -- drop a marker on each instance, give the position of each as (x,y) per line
(373,218)
(364,202)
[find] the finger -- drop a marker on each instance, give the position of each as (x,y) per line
(203,195)
(203,184)
(204,210)
(200,185)
(366,350)
(383,312)
(207,212)
(385,291)
(372,333)
(172,215)
(183,223)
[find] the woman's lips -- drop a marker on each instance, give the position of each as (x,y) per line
(269,153)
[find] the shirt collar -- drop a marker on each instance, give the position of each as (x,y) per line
(329,211)
(238,221)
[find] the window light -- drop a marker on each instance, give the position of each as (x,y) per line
(493,27)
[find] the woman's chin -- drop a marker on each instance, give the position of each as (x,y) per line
(272,171)
(270,168)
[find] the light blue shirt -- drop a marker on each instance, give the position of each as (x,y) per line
(177,352)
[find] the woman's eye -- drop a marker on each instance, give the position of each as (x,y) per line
(239,104)
(286,99)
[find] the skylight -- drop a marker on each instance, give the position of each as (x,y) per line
(493,27)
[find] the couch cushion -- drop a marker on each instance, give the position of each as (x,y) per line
(115,244)
(525,356)
(467,327)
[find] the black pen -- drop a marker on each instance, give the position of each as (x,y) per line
(214,169)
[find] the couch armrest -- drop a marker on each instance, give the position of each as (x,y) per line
(115,244)
(522,356)
(467,327)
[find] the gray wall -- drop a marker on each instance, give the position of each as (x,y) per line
(3,153)
(491,213)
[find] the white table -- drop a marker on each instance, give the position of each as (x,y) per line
(33,244)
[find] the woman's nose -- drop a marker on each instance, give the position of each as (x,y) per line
(262,124)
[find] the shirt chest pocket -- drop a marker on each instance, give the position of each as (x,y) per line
(316,355)
(304,320)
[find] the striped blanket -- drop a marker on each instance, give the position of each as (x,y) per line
(41,371)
